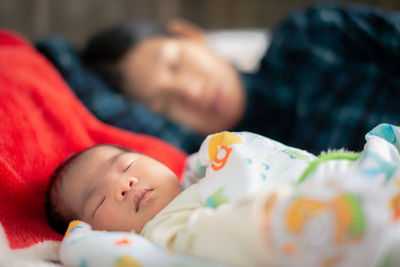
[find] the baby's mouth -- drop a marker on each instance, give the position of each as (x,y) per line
(141,195)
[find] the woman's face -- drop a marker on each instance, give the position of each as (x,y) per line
(184,80)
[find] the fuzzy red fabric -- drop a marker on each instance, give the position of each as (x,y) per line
(41,123)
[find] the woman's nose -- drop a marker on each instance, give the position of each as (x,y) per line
(192,91)
(124,186)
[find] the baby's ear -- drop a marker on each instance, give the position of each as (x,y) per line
(184,28)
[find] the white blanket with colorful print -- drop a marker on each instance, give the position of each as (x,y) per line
(232,165)
(337,209)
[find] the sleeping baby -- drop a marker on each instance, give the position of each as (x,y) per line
(247,200)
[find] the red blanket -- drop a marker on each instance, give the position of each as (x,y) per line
(41,123)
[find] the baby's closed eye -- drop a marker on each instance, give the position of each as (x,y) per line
(128,166)
(98,206)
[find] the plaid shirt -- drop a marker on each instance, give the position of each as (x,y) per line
(330,75)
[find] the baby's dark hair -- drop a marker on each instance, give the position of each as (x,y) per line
(54,217)
(106,48)
(58,221)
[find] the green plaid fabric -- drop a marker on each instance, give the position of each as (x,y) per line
(331,74)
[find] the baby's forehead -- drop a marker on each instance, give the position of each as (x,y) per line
(104,150)
(93,158)
(111,147)
(99,154)
(108,147)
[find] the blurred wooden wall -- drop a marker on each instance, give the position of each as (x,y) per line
(77,19)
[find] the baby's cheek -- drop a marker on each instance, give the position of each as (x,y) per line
(108,219)
(97,224)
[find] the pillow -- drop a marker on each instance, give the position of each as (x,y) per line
(42,122)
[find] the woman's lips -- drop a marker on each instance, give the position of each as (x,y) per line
(141,195)
(215,106)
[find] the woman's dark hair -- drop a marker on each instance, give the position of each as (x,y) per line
(106,48)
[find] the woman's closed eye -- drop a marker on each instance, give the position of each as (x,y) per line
(176,63)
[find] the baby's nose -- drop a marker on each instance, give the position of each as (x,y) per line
(124,186)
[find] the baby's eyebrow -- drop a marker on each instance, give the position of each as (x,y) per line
(114,158)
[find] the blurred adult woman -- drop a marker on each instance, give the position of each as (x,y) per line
(330,74)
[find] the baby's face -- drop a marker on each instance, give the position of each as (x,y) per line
(116,190)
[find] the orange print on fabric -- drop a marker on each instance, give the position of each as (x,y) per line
(394,202)
(395,205)
(349,218)
(289,249)
(332,261)
(219,148)
(71,225)
(219,163)
(122,242)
